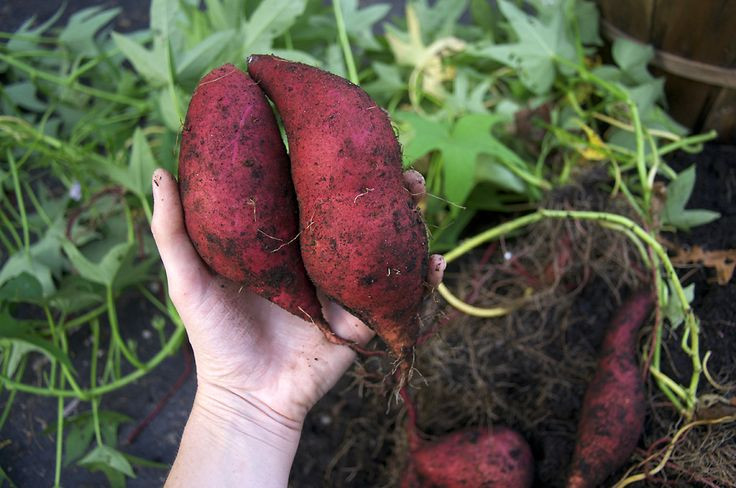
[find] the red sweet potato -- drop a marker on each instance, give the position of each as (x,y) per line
(475,457)
(496,457)
(363,241)
(239,204)
(612,416)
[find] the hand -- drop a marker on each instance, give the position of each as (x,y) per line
(258,366)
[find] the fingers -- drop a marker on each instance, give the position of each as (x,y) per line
(186,272)
(436,272)
(414,183)
(343,323)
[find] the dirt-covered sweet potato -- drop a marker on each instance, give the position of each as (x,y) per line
(612,416)
(239,204)
(496,457)
(363,241)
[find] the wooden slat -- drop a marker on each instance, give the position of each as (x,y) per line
(701,30)
(631,16)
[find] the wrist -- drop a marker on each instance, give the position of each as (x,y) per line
(234,440)
(242,416)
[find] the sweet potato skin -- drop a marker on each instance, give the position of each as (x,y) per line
(496,457)
(612,416)
(363,241)
(239,205)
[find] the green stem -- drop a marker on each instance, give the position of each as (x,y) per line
(88,90)
(14,234)
(59,339)
(86,395)
(345,42)
(628,228)
(11,396)
(491,234)
(641,161)
(83,319)
(686,143)
(152,298)
(115,329)
(20,202)
(37,205)
(59,435)
(96,419)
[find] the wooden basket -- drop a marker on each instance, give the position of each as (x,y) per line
(695,48)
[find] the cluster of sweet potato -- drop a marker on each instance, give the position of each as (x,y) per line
(334,215)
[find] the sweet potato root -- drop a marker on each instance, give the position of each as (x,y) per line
(239,204)
(363,241)
(612,416)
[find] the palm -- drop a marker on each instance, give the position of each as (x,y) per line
(246,344)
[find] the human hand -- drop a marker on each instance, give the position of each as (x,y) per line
(256,363)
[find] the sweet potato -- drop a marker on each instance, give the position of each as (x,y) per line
(612,416)
(493,457)
(363,241)
(473,457)
(239,204)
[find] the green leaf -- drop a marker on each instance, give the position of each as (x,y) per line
(108,457)
(23,94)
(646,95)
(78,438)
(42,262)
(15,331)
(687,219)
(586,18)
(633,58)
(224,15)
(359,22)
(198,60)
(492,171)
(440,19)
(163,15)
(537,50)
(22,288)
(335,62)
(144,61)
(680,189)
(389,81)
(109,424)
(146,463)
(270,20)
(673,306)
(103,272)
(466,97)
(678,193)
(170,107)
(18,350)
(79,32)
(24,38)
(460,146)
(136,176)
(484,15)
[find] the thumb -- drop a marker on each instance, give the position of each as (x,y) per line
(185,271)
